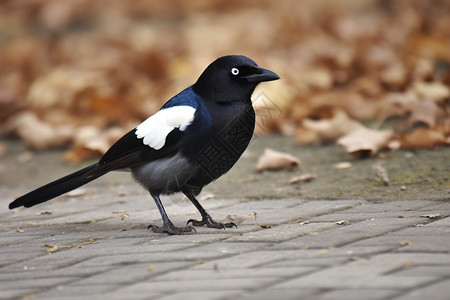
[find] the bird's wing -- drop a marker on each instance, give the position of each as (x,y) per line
(156,137)
(155,129)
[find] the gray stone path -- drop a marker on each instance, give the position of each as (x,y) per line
(295,249)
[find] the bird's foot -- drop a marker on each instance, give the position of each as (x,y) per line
(209,222)
(172,229)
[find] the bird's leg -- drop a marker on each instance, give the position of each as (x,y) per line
(206,218)
(168,226)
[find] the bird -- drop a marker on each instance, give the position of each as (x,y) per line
(196,137)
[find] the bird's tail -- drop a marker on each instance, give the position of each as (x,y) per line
(55,188)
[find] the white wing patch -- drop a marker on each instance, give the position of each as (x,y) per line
(155,129)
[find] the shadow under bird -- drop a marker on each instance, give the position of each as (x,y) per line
(196,137)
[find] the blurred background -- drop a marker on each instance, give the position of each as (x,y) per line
(367,74)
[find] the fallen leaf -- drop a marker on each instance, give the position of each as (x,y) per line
(91,142)
(436,91)
(54,248)
(276,160)
(122,217)
(20,230)
(342,165)
(76,193)
(424,138)
(431,216)
(207,197)
(25,156)
(331,129)
(125,229)
(342,222)
(302,178)
(44,212)
(425,111)
(365,141)
(239,219)
(38,134)
(380,172)
(2,149)
(151,267)
(123,193)
(406,243)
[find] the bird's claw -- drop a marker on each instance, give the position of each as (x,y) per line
(209,222)
(171,229)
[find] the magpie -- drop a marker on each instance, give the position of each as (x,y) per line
(196,137)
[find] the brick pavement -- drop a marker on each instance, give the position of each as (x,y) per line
(295,249)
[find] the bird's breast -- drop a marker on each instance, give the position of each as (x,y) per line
(226,141)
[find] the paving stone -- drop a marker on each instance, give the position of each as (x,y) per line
(282,232)
(245,260)
(422,243)
(285,294)
(309,262)
(131,273)
(369,273)
(431,271)
(91,290)
(218,273)
(436,291)
(71,271)
(21,293)
(199,295)
(151,258)
(41,283)
(200,285)
(358,294)
(346,234)
(386,207)
(231,247)
(368,259)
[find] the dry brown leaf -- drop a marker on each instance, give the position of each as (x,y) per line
(436,91)
(38,134)
(91,142)
(76,193)
(44,212)
(342,222)
(365,141)
(381,172)
(431,216)
(302,178)
(423,138)
(406,243)
(276,160)
(342,165)
(2,149)
(54,248)
(239,219)
(331,129)
(25,156)
(425,111)
(207,197)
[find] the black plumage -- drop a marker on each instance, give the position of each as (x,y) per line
(196,137)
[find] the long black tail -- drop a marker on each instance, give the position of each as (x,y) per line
(55,188)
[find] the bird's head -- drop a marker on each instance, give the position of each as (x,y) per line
(231,78)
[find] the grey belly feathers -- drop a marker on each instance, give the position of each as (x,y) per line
(164,176)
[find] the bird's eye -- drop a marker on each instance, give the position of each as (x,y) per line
(235,71)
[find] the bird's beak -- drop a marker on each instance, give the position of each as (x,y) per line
(261,75)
